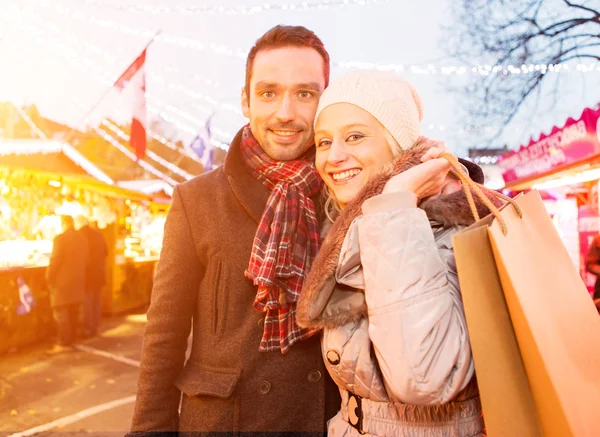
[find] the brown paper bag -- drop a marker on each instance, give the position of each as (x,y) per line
(555,321)
(506,397)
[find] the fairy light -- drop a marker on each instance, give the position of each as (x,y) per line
(193,130)
(235,10)
(91,66)
(122,148)
(428,70)
(146,34)
(85,163)
(124,136)
(132,156)
(161,80)
(193,94)
(481,70)
(30,123)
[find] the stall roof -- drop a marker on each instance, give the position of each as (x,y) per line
(61,161)
(148,186)
(48,155)
(574,144)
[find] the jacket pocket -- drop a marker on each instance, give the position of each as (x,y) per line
(197,380)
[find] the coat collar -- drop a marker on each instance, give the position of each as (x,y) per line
(251,193)
(326,303)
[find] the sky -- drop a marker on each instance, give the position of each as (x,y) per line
(62,56)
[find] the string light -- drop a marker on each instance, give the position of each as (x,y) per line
(193,130)
(90,65)
(119,146)
(413,69)
(481,70)
(157,79)
(132,156)
(236,10)
(146,34)
(173,168)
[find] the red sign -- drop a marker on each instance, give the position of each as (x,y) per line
(575,141)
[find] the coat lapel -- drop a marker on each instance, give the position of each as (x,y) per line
(251,193)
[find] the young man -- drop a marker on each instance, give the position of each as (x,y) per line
(95,275)
(238,243)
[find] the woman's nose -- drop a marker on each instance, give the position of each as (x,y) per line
(337,152)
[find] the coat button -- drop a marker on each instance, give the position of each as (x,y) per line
(263,387)
(333,357)
(314,376)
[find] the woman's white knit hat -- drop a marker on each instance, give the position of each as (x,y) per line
(386,96)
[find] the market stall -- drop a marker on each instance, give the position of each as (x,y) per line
(565,166)
(32,198)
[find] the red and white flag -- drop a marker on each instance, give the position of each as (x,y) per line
(136,77)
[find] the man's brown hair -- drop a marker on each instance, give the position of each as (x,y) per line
(287,36)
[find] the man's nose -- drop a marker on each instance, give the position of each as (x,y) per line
(286,110)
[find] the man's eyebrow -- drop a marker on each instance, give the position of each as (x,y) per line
(264,84)
(309,86)
(314,86)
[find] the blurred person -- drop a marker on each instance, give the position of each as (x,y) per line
(384,286)
(95,275)
(238,242)
(592,264)
(66,282)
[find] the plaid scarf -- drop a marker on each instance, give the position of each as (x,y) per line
(286,241)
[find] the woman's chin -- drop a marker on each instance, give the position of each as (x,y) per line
(344,197)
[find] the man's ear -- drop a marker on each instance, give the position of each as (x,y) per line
(245,103)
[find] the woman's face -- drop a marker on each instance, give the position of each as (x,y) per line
(351,148)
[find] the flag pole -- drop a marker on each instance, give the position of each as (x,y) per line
(102,97)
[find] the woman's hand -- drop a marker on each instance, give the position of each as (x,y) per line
(424,180)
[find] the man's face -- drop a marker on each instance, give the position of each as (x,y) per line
(285,87)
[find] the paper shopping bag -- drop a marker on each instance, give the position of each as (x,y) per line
(555,322)
(508,406)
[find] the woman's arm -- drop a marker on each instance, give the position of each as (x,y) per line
(416,318)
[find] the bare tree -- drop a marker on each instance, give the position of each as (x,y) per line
(527,41)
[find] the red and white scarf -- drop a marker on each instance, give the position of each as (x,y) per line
(286,241)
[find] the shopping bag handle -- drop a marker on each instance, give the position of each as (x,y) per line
(470,185)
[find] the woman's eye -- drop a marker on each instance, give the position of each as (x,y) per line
(324,143)
(355,137)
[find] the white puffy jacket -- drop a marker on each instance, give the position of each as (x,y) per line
(395,338)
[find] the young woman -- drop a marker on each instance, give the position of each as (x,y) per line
(384,286)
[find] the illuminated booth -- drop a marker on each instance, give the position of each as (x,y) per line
(41,180)
(565,166)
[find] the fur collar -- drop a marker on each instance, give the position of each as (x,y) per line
(321,292)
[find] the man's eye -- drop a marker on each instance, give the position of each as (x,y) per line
(268,94)
(305,95)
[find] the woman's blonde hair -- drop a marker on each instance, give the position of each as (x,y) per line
(331,205)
